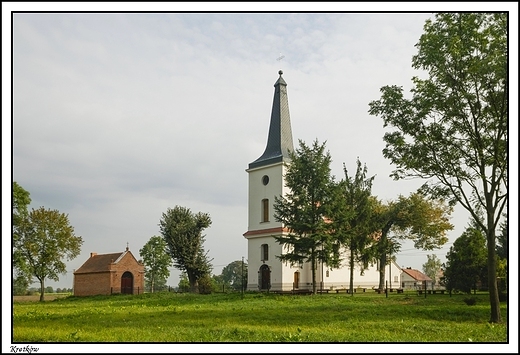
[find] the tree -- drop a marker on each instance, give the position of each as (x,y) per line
(503,239)
(305,209)
(21,201)
(46,240)
(156,262)
(235,275)
(182,231)
(20,284)
(466,261)
(432,267)
(417,218)
(454,129)
(219,283)
(351,218)
(184,283)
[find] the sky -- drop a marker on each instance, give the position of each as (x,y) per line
(117,117)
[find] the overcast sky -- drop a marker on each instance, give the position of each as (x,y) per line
(118,117)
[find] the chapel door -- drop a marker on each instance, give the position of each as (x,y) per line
(127,283)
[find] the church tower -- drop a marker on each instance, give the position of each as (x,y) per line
(266,181)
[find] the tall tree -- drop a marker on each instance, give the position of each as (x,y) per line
(156,262)
(351,218)
(417,218)
(432,267)
(235,274)
(182,231)
(466,261)
(305,209)
(47,239)
(454,129)
(21,200)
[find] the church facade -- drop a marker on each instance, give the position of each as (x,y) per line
(266,181)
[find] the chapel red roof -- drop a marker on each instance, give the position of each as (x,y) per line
(99,263)
(417,275)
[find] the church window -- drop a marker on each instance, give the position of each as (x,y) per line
(265,252)
(265,210)
(265,179)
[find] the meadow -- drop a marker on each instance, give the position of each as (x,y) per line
(256,317)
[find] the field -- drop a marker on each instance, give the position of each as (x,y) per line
(255,317)
(36,298)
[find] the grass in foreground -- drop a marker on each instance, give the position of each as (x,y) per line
(169,317)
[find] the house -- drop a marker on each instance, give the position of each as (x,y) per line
(105,274)
(266,182)
(412,279)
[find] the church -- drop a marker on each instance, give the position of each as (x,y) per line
(266,181)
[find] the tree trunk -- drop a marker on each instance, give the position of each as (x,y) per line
(194,287)
(313,265)
(42,290)
(382,268)
(383,250)
(351,262)
(494,300)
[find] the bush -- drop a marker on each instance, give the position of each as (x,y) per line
(205,285)
(470,301)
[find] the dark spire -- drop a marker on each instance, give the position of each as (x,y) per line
(279,141)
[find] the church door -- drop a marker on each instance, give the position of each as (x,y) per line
(265,277)
(127,283)
(296,284)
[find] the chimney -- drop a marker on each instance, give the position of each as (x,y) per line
(93,254)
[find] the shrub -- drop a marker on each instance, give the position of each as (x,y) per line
(205,285)
(470,301)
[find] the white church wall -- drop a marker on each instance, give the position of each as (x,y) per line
(258,192)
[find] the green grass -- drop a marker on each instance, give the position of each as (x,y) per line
(169,317)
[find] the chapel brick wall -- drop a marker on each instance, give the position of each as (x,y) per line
(92,284)
(128,263)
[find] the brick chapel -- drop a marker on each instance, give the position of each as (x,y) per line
(105,274)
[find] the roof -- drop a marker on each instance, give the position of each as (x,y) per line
(416,274)
(101,262)
(279,140)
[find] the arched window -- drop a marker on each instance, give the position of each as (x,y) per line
(265,210)
(265,252)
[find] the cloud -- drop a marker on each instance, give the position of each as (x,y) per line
(117,117)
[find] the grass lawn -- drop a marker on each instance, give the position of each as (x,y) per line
(264,318)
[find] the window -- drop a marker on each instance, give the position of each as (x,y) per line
(265,210)
(265,252)
(396,279)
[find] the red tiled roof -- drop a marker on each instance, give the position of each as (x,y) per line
(98,263)
(417,275)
